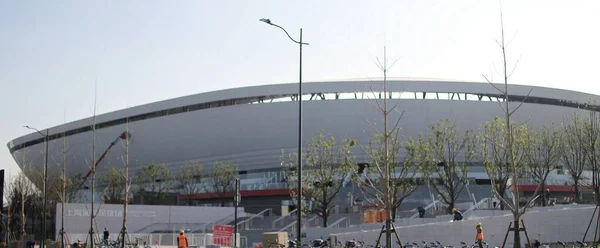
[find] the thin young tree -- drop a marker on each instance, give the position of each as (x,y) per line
(575,153)
(494,153)
(63,186)
(451,152)
(508,112)
(591,146)
(190,178)
(326,164)
(93,165)
(544,154)
(222,179)
(9,196)
(126,183)
(387,182)
(23,193)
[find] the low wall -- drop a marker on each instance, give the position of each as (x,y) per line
(141,218)
(550,225)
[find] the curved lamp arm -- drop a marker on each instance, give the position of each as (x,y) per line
(267,21)
(35,129)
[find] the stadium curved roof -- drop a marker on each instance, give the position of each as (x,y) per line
(342,94)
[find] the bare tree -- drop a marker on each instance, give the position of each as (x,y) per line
(386,181)
(222,179)
(575,152)
(92,172)
(126,183)
(326,165)
(9,196)
(189,179)
(21,195)
(63,185)
(514,207)
(153,181)
(544,155)
(450,154)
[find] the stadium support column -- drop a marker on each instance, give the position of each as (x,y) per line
(299,188)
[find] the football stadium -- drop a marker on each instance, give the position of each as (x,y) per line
(252,126)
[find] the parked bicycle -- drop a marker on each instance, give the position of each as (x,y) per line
(351,244)
(474,245)
(581,244)
(411,245)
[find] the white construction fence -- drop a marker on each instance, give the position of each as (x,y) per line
(156,240)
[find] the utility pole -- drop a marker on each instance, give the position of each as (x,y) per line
(236,201)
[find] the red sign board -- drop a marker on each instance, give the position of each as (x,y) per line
(222,235)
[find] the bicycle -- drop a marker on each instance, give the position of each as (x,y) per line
(411,245)
(440,245)
(474,245)
(581,244)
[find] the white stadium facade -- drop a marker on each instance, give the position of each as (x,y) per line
(250,126)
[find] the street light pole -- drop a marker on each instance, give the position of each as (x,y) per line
(46,140)
(299,187)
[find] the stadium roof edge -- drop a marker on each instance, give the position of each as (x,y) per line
(428,84)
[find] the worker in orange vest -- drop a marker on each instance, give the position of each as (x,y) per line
(182,241)
(479,235)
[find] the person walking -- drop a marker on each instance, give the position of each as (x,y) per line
(421,212)
(457,215)
(479,235)
(106,234)
(182,241)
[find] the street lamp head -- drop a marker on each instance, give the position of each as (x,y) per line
(125,136)
(265,20)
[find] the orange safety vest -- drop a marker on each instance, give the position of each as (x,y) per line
(479,236)
(182,241)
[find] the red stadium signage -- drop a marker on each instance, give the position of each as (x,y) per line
(222,235)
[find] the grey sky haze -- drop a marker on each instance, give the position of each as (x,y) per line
(53,52)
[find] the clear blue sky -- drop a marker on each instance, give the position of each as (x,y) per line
(53,52)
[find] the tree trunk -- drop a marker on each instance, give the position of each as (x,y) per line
(517,234)
(450,207)
(576,189)
(394,213)
(325,213)
(8,227)
(388,228)
(544,195)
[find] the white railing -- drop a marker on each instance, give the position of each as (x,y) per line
(431,205)
(478,205)
(283,217)
(310,220)
(341,220)
(247,222)
(291,225)
(156,240)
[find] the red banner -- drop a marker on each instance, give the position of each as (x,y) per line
(222,235)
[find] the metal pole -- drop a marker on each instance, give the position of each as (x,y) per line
(236,201)
(64,196)
(45,192)
(299,211)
